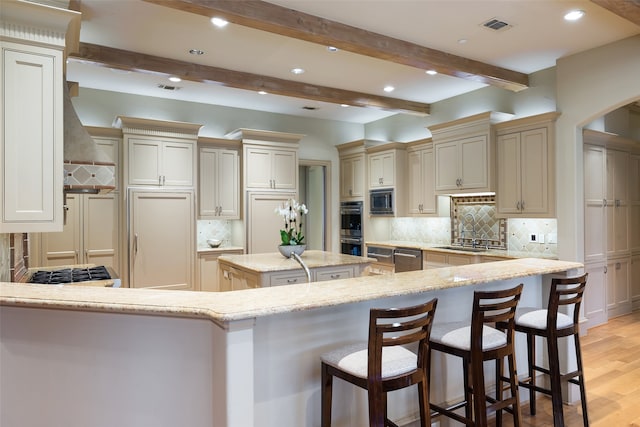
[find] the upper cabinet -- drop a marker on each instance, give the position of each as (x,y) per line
(352,170)
(525,167)
(31,141)
(464,153)
(219,179)
(270,159)
(387,169)
(382,169)
(159,153)
(422,196)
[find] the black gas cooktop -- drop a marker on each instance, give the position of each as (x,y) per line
(70,275)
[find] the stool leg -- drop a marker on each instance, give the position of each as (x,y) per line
(513,381)
(327,386)
(423,397)
(583,392)
(499,391)
(377,405)
(531,360)
(479,395)
(468,396)
(556,386)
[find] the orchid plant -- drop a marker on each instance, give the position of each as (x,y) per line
(292,212)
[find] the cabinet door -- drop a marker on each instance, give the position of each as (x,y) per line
(634,203)
(228,184)
(617,203)
(473,163)
(534,164)
(263,224)
(161,242)
(352,177)
(64,248)
(111,147)
(285,170)
(100,229)
(144,161)
(334,273)
(415,183)
(382,170)
(508,194)
(595,237)
(258,168)
(31,141)
(618,292)
(208,185)
(595,294)
(635,282)
(447,165)
(177,164)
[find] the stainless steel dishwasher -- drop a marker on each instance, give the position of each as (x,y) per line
(407,259)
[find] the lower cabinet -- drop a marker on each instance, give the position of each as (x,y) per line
(438,259)
(635,282)
(618,291)
(378,268)
(207,278)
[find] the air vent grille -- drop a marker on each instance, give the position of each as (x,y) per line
(168,87)
(496,24)
(310,108)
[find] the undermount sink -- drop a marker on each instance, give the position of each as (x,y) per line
(461,248)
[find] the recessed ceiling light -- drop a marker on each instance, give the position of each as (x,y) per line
(431,72)
(574,15)
(196,52)
(175,79)
(344,105)
(262,92)
(389,89)
(297,70)
(332,48)
(219,22)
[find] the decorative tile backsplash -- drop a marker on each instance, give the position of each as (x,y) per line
(545,229)
(214,229)
(424,230)
(475,218)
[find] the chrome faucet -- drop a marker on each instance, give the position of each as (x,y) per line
(304,266)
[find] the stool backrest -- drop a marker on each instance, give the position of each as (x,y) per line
(565,292)
(493,307)
(399,326)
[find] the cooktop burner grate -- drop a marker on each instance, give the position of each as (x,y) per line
(68,275)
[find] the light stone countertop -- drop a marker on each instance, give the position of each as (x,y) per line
(219,249)
(225,307)
(437,247)
(269,262)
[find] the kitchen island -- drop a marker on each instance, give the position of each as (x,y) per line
(237,272)
(103,357)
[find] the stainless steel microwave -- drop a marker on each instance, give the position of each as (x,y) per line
(381,202)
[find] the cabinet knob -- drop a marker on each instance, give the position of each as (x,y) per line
(518,206)
(604,203)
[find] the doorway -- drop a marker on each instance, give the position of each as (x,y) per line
(314,190)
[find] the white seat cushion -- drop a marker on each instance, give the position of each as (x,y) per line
(458,335)
(396,360)
(537,318)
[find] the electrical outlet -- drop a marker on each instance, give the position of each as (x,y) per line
(533,238)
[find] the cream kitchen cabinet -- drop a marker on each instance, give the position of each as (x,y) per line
(595,220)
(595,294)
(634,203)
(208,269)
(161,240)
(382,169)
(352,177)
(438,259)
(618,290)
(617,203)
(464,155)
(526,167)
(421,177)
(271,169)
(159,153)
(90,234)
(32,43)
(635,281)
(219,185)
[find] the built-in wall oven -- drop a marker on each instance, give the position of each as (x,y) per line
(351,228)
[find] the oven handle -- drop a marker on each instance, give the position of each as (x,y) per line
(375,255)
(345,211)
(349,240)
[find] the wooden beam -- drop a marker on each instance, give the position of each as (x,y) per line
(627,9)
(291,23)
(140,62)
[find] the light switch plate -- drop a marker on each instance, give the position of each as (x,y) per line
(541,238)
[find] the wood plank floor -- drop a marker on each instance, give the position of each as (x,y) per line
(611,357)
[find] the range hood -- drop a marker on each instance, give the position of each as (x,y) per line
(87,169)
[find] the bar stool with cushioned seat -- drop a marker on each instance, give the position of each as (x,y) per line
(384,363)
(552,325)
(476,343)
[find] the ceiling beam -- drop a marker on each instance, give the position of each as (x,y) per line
(291,23)
(627,9)
(140,62)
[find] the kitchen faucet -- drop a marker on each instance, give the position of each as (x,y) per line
(304,266)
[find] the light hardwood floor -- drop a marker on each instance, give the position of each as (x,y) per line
(611,357)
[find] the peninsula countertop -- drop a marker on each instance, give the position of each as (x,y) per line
(449,248)
(225,307)
(269,262)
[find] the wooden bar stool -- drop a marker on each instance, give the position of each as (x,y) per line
(384,364)
(475,344)
(552,325)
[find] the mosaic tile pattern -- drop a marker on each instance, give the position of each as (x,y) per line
(423,230)
(520,231)
(475,218)
(214,229)
(83,174)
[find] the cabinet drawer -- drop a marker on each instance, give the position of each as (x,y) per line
(335,274)
(287,278)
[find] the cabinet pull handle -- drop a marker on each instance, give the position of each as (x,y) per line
(159,179)
(522,204)
(618,265)
(292,280)
(518,206)
(617,203)
(605,269)
(335,276)
(604,203)
(135,244)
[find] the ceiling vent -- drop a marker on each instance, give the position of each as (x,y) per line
(496,24)
(168,87)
